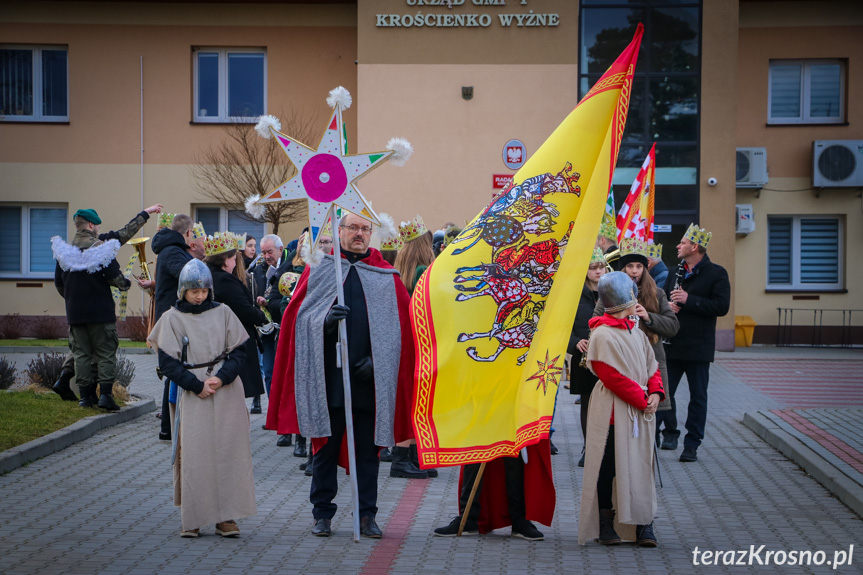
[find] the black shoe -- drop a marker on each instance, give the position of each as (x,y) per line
(370,529)
(415,459)
(689,455)
(88,396)
(581,461)
(607,534)
(300,447)
(451,530)
(62,388)
(403,467)
(164,436)
(310,467)
(669,444)
(644,536)
(526,530)
(554,450)
(284,441)
(386,455)
(256,405)
(107,402)
(322,528)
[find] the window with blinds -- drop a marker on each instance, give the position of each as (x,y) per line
(236,221)
(806,91)
(25,233)
(34,83)
(804,253)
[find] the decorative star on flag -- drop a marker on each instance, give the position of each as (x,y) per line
(327,175)
(547,373)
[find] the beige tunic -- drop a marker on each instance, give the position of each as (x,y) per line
(634,492)
(213,480)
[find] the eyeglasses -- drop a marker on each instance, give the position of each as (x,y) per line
(366,230)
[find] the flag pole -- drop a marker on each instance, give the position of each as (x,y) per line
(346,382)
(470,499)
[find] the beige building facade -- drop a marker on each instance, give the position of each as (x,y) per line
(150,87)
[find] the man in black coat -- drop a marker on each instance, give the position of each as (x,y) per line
(703,294)
(173,246)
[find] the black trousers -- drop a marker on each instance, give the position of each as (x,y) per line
(697,375)
(607,472)
(166,412)
(325,481)
(514,477)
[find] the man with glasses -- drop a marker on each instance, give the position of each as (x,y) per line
(381,360)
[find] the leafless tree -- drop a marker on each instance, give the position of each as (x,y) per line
(245,164)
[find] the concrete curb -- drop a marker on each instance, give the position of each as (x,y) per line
(5,349)
(78,431)
(843,487)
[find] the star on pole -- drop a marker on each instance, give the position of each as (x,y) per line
(327,175)
(547,373)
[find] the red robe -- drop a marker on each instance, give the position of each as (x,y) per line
(539,494)
(282,413)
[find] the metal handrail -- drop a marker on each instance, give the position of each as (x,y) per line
(785,325)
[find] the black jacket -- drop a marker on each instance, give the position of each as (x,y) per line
(174,370)
(582,378)
(88,295)
(229,290)
(173,254)
(273,296)
(709,297)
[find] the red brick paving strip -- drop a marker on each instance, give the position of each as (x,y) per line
(827,440)
(386,552)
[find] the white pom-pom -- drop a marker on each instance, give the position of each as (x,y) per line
(339,97)
(402,151)
(265,123)
(310,256)
(253,208)
(387,230)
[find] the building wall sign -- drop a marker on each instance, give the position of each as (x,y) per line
(514,154)
(500,181)
(465,20)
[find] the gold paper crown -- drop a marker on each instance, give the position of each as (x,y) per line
(288,282)
(632,247)
(608,229)
(596,257)
(222,242)
(198,231)
(654,251)
(165,220)
(394,243)
(698,235)
(413,229)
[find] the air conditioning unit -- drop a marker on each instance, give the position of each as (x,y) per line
(751,167)
(837,164)
(745,219)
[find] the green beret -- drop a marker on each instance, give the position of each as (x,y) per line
(89,215)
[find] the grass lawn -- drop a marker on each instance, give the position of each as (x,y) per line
(25,415)
(58,343)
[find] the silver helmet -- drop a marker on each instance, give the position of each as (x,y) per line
(617,292)
(195,274)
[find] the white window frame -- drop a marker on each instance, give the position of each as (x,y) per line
(223,117)
(796,284)
(24,272)
(37,84)
(805,92)
(223,217)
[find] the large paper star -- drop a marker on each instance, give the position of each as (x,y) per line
(547,373)
(326,175)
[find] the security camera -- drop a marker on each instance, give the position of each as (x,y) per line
(711,181)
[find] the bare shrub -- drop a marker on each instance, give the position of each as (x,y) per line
(8,374)
(45,369)
(11,326)
(125,371)
(136,327)
(46,328)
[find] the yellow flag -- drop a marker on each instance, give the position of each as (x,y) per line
(493,314)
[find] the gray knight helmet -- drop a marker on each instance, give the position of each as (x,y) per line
(617,292)
(195,274)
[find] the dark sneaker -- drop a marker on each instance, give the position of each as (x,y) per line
(322,528)
(451,530)
(370,529)
(644,536)
(554,450)
(669,444)
(527,530)
(689,455)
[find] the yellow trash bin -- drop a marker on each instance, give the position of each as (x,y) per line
(744,327)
